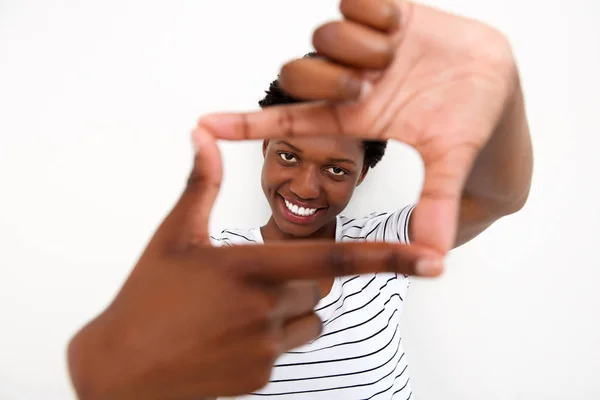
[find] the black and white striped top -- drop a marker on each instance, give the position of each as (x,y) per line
(359,354)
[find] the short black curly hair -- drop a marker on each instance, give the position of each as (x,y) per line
(374,149)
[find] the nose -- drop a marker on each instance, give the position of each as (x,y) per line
(306,184)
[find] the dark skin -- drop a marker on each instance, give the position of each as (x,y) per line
(176,331)
(319,172)
(446,85)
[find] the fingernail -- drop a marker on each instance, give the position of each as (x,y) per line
(357,90)
(197,139)
(352,88)
(365,89)
(429,266)
(394,15)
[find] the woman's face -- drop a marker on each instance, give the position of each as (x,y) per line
(309,181)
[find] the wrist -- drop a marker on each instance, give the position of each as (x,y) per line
(501,175)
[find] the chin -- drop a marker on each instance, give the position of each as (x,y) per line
(296,231)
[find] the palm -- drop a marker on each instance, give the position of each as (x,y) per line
(443,93)
(446,84)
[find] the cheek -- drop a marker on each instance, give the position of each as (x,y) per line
(265,180)
(272,175)
(340,193)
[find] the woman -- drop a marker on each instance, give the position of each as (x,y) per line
(308,182)
(196,321)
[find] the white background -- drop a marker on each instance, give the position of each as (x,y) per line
(97,100)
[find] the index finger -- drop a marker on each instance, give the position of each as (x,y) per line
(299,119)
(319,259)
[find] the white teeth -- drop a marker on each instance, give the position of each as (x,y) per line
(304,212)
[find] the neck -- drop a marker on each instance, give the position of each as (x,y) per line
(271,232)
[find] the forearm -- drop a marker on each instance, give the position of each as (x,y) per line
(501,176)
(500,179)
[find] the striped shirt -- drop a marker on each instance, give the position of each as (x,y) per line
(359,354)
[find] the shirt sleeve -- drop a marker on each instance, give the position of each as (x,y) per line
(220,241)
(234,237)
(389,227)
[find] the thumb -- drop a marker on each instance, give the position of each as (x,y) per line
(187,223)
(434,220)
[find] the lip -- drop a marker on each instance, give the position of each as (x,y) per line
(301,203)
(298,219)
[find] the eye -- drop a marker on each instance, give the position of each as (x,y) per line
(288,157)
(337,171)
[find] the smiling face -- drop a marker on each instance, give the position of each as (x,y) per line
(308,182)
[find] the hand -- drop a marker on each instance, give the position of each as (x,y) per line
(194,321)
(398,70)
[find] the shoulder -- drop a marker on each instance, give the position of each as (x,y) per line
(235,236)
(377,226)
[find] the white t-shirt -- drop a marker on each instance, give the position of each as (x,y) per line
(359,354)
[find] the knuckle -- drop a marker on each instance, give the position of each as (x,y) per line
(246,128)
(195,179)
(286,122)
(340,261)
(198,180)
(257,379)
(392,261)
(317,325)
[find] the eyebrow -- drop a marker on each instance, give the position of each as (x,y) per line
(290,145)
(336,160)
